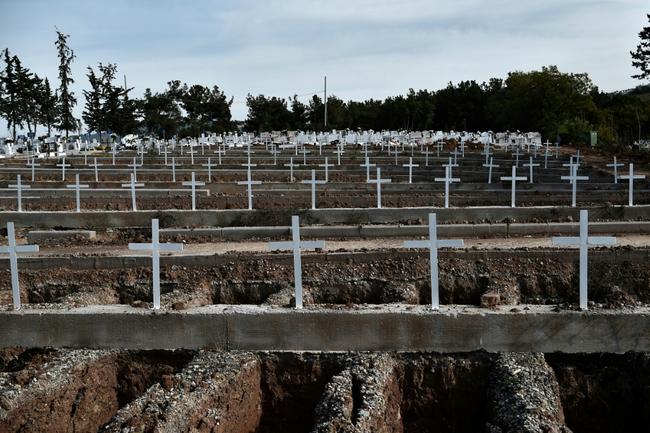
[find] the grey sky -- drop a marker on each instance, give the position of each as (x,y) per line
(367,48)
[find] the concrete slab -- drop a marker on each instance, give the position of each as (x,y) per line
(37,236)
(372,328)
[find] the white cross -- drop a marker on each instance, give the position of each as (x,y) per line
(513,178)
(516,153)
(249,184)
(326,165)
(433,244)
(490,166)
(133,186)
(584,240)
(135,166)
(193,183)
(365,150)
(304,155)
(615,165)
(77,187)
(438,148)
(63,165)
(530,164)
(95,166)
(191,152)
(275,152)
(546,154)
(12,249)
(426,156)
(367,165)
(455,153)
(339,151)
(220,152)
(397,152)
(448,179)
(451,165)
(378,182)
(291,165)
(577,156)
(631,177)
(114,151)
(173,166)
(487,152)
(209,165)
(574,178)
(410,165)
(19,191)
(313,183)
(296,245)
(320,145)
(33,165)
(155,247)
(165,151)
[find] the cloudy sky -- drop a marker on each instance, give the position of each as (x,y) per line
(367,48)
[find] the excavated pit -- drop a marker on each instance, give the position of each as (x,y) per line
(241,392)
(618,278)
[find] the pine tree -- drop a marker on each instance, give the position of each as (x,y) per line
(92,114)
(641,57)
(47,103)
(8,102)
(66,121)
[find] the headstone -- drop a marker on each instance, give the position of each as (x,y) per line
(584,240)
(367,165)
(209,166)
(193,184)
(12,249)
(173,166)
(77,187)
(296,245)
(135,167)
(432,244)
(155,247)
(513,178)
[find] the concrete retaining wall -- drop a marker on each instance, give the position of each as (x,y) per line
(452,329)
(282,217)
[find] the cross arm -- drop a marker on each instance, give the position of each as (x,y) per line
(557,240)
(417,244)
(601,240)
(26,248)
(171,247)
(451,243)
(140,246)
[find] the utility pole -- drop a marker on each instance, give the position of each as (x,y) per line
(325,104)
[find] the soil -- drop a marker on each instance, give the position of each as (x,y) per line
(617,279)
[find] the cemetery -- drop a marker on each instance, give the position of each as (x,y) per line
(325,283)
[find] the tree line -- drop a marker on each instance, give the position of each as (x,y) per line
(563,106)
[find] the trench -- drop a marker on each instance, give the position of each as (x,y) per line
(265,392)
(380,278)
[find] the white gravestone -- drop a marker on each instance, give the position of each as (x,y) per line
(12,249)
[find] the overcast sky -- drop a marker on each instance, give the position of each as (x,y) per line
(367,48)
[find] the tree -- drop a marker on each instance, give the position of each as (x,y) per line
(267,114)
(10,89)
(207,110)
(47,106)
(641,57)
(67,100)
(92,114)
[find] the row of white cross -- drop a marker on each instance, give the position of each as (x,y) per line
(296,245)
(573,178)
